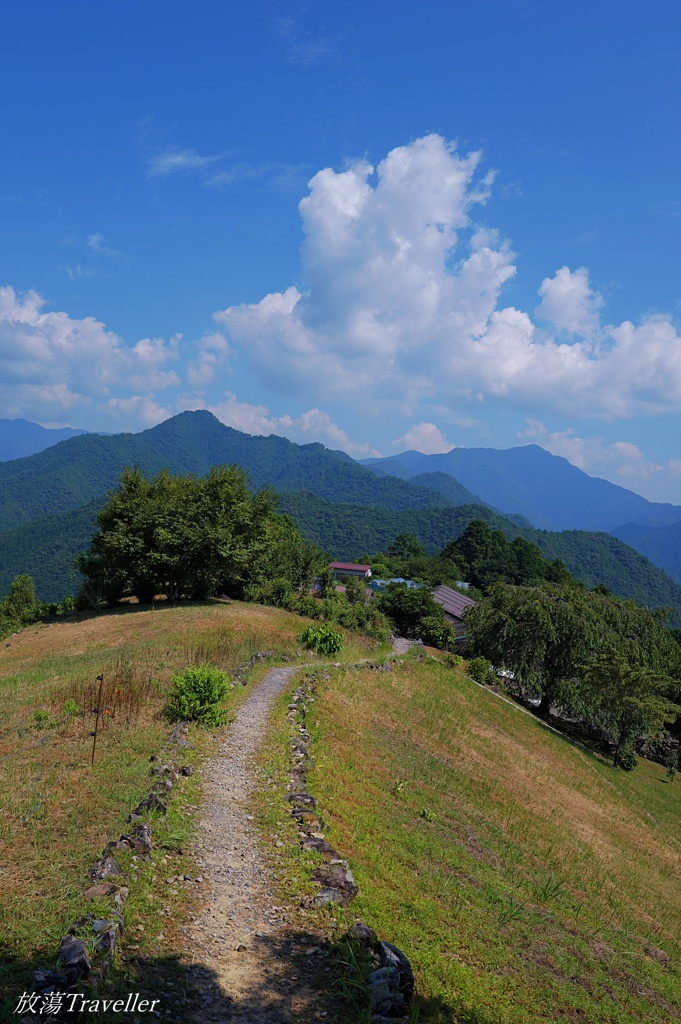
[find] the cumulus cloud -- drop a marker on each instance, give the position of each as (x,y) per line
(51,363)
(569,303)
(210,356)
(401,294)
(425,438)
(313,425)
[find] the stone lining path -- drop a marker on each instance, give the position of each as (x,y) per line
(238,941)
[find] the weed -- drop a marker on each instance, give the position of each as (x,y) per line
(197,695)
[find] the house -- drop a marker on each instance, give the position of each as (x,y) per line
(454,605)
(342,570)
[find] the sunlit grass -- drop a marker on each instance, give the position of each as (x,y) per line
(522,876)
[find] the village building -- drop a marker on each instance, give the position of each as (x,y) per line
(343,570)
(454,606)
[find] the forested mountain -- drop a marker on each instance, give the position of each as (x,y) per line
(592,558)
(48,503)
(547,489)
(19,438)
(661,544)
(75,472)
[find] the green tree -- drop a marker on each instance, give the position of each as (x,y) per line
(626,700)
(407,607)
(20,605)
(545,634)
(179,535)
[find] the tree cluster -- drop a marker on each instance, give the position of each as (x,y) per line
(187,536)
(609,662)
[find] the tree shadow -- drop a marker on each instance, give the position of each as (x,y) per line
(293,983)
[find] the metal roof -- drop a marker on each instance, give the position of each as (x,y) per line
(348,566)
(452,601)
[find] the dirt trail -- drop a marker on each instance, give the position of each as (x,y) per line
(239,943)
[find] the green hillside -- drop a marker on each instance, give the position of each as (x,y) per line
(526,879)
(75,472)
(48,503)
(592,558)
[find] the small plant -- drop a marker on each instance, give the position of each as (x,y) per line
(196,695)
(398,788)
(480,669)
(427,814)
(41,719)
(322,639)
(71,709)
(453,660)
(627,760)
(672,765)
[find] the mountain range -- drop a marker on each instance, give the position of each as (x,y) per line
(21,437)
(551,494)
(49,500)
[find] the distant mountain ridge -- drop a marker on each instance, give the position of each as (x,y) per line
(19,438)
(547,489)
(553,495)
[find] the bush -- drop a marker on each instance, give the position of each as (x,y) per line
(480,669)
(196,694)
(453,660)
(309,606)
(627,760)
(437,632)
(322,639)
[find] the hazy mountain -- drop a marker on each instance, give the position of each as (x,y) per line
(547,489)
(19,438)
(661,544)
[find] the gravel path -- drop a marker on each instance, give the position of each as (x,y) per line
(240,948)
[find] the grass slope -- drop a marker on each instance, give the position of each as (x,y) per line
(57,811)
(525,879)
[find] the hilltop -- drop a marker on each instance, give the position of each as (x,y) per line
(518,871)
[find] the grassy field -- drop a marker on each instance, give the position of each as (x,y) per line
(525,879)
(57,811)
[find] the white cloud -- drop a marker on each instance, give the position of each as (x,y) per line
(174,160)
(313,425)
(568,302)
(425,438)
(50,362)
(400,299)
(210,356)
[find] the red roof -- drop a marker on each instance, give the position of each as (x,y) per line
(349,566)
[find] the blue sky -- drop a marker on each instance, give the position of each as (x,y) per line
(377,226)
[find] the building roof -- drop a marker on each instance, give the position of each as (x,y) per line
(452,601)
(349,566)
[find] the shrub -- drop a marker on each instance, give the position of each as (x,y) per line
(627,760)
(480,669)
(322,639)
(309,606)
(437,632)
(196,695)
(453,660)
